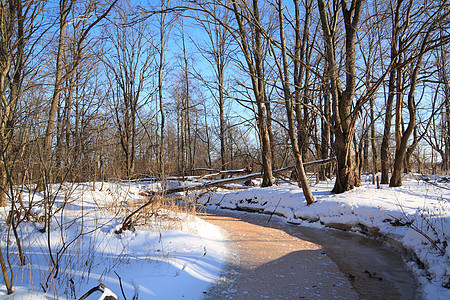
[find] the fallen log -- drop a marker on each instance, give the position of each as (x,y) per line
(221,182)
(222,173)
(307,164)
(128,221)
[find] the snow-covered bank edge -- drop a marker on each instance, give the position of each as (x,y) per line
(173,249)
(381,214)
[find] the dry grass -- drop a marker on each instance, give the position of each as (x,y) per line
(156,212)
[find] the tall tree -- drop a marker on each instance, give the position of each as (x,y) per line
(425,25)
(18,27)
(302,57)
(218,54)
(65,8)
(344,113)
(10,17)
(444,78)
(130,65)
(399,26)
(289,103)
(252,48)
(166,22)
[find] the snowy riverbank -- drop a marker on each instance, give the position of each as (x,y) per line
(415,217)
(178,255)
(173,256)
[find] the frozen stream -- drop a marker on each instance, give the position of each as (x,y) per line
(375,271)
(364,265)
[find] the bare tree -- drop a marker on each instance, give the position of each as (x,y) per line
(425,30)
(438,137)
(66,7)
(289,103)
(396,44)
(10,17)
(165,23)
(130,65)
(444,78)
(252,48)
(218,54)
(344,113)
(17,28)
(372,52)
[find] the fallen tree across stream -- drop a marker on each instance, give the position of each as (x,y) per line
(222,182)
(128,222)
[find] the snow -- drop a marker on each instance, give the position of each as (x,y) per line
(177,255)
(107,292)
(380,213)
(173,256)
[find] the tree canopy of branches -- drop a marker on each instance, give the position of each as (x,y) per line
(124,89)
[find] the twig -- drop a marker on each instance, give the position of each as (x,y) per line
(437,185)
(411,225)
(100,287)
(218,204)
(121,287)
(271,215)
(127,223)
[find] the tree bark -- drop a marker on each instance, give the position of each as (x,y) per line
(395,50)
(372,139)
(160,97)
(284,76)
(344,116)
(444,78)
(325,125)
(6,278)
(401,147)
(64,10)
(301,42)
(255,65)
(446,158)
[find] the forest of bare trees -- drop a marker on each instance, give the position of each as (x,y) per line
(95,90)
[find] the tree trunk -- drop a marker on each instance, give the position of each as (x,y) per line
(347,169)
(395,50)
(64,10)
(398,107)
(372,139)
(186,107)
(11,19)
(284,76)
(6,278)
(301,58)
(400,152)
(254,61)
(325,126)
(365,154)
(447,128)
(344,115)
(443,76)
(410,151)
(269,130)
(162,49)
(266,151)
(221,119)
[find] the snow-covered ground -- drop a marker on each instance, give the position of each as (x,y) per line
(177,256)
(174,256)
(415,217)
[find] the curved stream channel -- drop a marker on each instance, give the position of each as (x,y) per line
(276,260)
